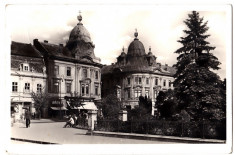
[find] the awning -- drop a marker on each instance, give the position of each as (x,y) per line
(88,106)
(58,108)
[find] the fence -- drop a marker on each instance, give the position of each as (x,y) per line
(168,128)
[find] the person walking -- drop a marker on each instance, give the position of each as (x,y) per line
(27,117)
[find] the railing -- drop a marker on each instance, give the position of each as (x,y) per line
(168,128)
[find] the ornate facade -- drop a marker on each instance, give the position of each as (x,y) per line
(74,72)
(136,74)
(70,73)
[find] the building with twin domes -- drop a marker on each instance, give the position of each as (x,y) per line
(136,73)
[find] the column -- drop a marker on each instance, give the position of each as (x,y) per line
(92,118)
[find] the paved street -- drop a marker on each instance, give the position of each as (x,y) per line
(49,131)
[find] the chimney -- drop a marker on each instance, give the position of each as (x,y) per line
(45,41)
(61,45)
(166,65)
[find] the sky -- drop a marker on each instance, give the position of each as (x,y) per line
(112,27)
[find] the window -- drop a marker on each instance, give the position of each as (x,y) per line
(128,81)
(27,87)
(164,83)
(14,86)
(138,80)
(129,93)
(147,80)
(169,83)
(56,70)
(156,81)
(26,68)
(138,93)
(84,73)
(96,75)
(85,90)
(96,90)
(55,87)
(68,87)
(147,93)
(39,88)
(68,71)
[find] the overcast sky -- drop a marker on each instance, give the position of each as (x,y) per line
(112,27)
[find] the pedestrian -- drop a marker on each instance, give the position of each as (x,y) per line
(27,117)
(70,122)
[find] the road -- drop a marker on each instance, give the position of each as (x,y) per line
(49,131)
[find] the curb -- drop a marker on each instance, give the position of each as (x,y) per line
(156,137)
(32,141)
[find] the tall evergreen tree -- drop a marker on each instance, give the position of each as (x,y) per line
(197,87)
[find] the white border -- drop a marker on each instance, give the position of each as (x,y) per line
(127,148)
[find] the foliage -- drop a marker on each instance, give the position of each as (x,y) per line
(166,104)
(41,100)
(145,105)
(197,87)
(111,106)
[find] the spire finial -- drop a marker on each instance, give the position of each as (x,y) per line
(79,17)
(123,49)
(136,33)
(149,48)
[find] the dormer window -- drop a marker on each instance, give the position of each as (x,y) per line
(24,67)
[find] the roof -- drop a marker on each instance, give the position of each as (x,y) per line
(156,69)
(22,53)
(79,32)
(88,106)
(137,61)
(60,52)
(136,48)
(24,49)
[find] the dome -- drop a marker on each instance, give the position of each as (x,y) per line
(79,33)
(136,47)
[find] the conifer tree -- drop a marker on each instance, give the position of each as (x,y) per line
(197,87)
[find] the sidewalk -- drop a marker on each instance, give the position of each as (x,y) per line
(157,137)
(47,131)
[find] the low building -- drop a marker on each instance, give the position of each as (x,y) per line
(136,74)
(27,75)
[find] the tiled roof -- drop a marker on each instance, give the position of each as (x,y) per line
(24,50)
(36,63)
(156,69)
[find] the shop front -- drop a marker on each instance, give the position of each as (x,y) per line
(57,108)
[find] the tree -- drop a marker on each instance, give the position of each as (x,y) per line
(41,100)
(166,104)
(111,106)
(197,87)
(145,105)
